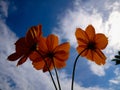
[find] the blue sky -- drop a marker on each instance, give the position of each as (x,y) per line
(32,12)
(60,17)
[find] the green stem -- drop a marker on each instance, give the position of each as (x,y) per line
(73,74)
(48,70)
(56,75)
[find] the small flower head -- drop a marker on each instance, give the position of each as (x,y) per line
(25,46)
(92,43)
(50,50)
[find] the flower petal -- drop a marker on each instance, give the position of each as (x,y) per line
(42,47)
(62,51)
(21,46)
(49,65)
(98,57)
(61,55)
(35,57)
(14,57)
(81,36)
(63,47)
(90,32)
(59,64)
(89,54)
(101,41)
(38,65)
(22,60)
(52,42)
(81,49)
(33,34)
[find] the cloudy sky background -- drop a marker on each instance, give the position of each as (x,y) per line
(62,18)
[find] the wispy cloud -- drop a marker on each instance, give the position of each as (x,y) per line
(116,80)
(3,9)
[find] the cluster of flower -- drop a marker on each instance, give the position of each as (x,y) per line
(46,53)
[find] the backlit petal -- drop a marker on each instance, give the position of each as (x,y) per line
(59,64)
(89,54)
(81,49)
(101,41)
(63,47)
(38,65)
(52,42)
(81,36)
(81,41)
(35,57)
(42,47)
(90,32)
(99,57)
(61,55)
(33,34)
(30,37)
(14,57)
(62,51)
(22,60)
(21,47)
(49,65)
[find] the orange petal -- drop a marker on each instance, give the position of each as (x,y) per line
(42,47)
(33,34)
(59,64)
(14,57)
(81,36)
(89,54)
(22,60)
(49,65)
(81,49)
(21,47)
(90,32)
(101,41)
(62,51)
(81,41)
(100,57)
(38,65)
(63,47)
(35,57)
(52,41)
(61,55)
(97,56)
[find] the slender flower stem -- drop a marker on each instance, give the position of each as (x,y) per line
(73,74)
(56,75)
(48,70)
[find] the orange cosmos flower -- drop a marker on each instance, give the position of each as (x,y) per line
(26,45)
(92,44)
(50,50)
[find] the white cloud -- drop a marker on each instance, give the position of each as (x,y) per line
(3,9)
(98,70)
(114,32)
(18,78)
(24,77)
(103,15)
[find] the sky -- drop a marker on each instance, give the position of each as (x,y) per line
(60,17)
